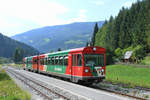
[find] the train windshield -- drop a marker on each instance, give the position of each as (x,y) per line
(94,59)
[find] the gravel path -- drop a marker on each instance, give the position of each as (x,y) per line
(142,93)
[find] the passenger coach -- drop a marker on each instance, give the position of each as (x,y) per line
(85,64)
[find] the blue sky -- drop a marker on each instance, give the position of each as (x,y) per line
(17,16)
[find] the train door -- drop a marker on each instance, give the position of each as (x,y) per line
(37,64)
(73,79)
(76,68)
(74,60)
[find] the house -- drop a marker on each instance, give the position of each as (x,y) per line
(127,57)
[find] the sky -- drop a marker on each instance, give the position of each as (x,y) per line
(17,16)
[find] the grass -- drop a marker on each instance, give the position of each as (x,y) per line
(130,75)
(146,61)
(47,40)
(14,65)
(9,90)
(74,42)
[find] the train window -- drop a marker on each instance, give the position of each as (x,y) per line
(34,61)
(37,61)
(74,60)
(30,61)
(52,60)
(56,60)
(42,61)
(49,60)
(66,60)
(61,60)
(94,59)
(79,60)
(45,61)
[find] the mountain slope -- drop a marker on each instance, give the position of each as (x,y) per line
(8,46)
(60,36)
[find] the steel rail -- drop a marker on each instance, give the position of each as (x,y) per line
(111,91)
(59,95)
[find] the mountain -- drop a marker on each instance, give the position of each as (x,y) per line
(8,47)
(51,38)
(128,31)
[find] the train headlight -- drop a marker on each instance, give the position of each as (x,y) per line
(102,70)
(94,49)
(86,70)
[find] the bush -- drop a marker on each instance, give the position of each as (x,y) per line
(5,60)
(119,53)
(138,52)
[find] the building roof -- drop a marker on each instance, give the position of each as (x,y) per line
(127,55)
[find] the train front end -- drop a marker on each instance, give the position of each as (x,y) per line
(94,64)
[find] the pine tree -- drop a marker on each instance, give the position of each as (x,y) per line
(59,49)
(87,44)
(18,55)
(92,43)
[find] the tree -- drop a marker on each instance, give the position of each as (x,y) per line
(59,49)
(87,44)
(119,53)
(18,55)
(92,43)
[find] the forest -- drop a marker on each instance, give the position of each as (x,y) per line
(128,31)
(10,48)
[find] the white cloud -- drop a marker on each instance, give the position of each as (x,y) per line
(80,18)
(98,2)
(127,4)
(41,12)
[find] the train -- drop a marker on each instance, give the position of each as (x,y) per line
(79,65)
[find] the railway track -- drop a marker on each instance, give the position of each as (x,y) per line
(25,79)
(44,91)
(123,94)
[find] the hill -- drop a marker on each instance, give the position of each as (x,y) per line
(50,38)
(130,30)
(8,46)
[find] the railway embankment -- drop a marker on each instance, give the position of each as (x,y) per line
(9,90)
(128,79)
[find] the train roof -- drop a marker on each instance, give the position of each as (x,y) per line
(69,50)
(55,53)
(73,50)
(86,48)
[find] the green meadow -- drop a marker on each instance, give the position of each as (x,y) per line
(130,75)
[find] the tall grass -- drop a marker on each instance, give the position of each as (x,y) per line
(130,75)
(9,90)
